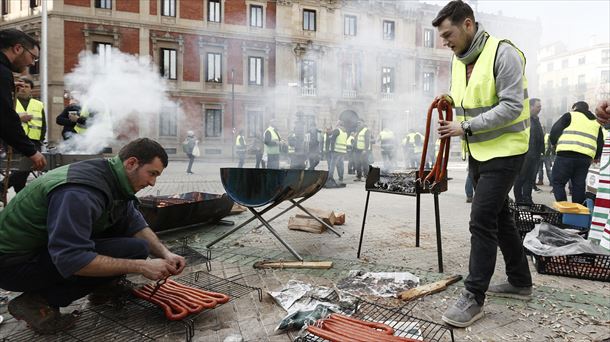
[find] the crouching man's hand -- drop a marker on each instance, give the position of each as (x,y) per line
(156,269)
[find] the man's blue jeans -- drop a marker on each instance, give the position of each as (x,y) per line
(493,226)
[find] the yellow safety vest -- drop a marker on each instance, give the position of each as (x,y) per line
(361,139)
(341,142)
(418,147)
(82,128)
(478,95)
(275,136)
(580,136)
(32,128)
(239,147)
(350,142)
(547,141)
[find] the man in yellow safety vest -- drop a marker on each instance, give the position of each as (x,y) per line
(489,96)
(579,139)
(31,113)
(361,150)
(338,150)
(240,148)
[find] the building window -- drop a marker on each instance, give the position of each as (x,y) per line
(254,124)
(168,8)
(605,77)
(167,63)
(256,16)
(5,8)
(387,80)
(308,74)
(35,3)
(428,83)
(106,4)
(582,82)
(214,70)
(351,76)
(309,20)
(428,38)
(214,11)
(213,122)
(388,30)
(564,83)
(581,60)
(564,63)
(168,119)
(104,51)
(255,70)
(549,67)
(606,56)
(349,25)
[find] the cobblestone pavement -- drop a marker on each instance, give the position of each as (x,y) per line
(561,309)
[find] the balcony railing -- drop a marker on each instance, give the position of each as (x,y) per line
(387,96)
(350,94)
(308,91)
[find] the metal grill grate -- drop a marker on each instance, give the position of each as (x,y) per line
(403,323)
(193,256)
(138,320)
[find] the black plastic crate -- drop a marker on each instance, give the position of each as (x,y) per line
(528,215)
(582,266)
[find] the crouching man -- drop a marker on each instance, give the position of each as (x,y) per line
(76,230)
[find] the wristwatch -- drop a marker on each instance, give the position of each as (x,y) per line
(466,128)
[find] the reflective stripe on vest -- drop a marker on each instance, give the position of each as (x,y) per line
(361,139)
(478,95)
(341,142)
(32,128)
(239,147)
(79,127)
(580,136)
(274,137)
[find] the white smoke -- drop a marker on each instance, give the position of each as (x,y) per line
(119,88)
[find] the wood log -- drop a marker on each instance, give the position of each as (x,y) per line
(328,216)
(306,224)
(293,264)
(339,219)
(427,289)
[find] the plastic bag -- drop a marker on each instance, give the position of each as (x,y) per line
(548,240)
(196,151)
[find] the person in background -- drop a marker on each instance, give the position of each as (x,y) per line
(526,178)
(257,148)
(338,150)
(31,113)
(579,139)
(489,95)
(363,145)
(188,146)
(272,141)
(18,51)
(351,163)
(76,230)
(387,142)
(314,149)
(69,117)
(240,148)
(546,163)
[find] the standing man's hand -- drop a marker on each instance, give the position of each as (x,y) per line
(38,161)
(73,117)
(25,117)
(603,112)
(448,129)
(446,97)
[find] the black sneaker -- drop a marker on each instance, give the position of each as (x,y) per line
(39,316)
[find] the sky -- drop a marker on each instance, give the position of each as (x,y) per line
(571,22)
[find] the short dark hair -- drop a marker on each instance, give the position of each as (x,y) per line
(12,37)
(28,81)
(145,150)
(456,11)
(533,101)
(580,106)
